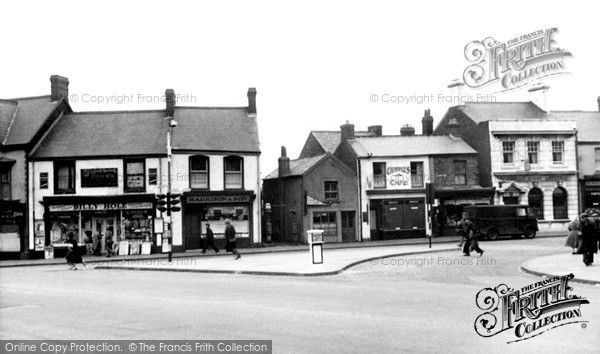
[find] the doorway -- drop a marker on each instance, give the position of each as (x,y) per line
(103,225)
(348,228)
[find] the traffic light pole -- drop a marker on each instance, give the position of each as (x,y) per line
(169,224)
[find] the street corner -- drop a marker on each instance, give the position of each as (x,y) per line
(562,264)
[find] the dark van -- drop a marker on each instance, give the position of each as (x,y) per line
(493,221)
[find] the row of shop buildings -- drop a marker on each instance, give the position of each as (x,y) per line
(98,174)
(364,185)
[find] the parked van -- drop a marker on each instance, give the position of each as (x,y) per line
(493,221)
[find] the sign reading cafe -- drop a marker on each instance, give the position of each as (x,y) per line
(514,63)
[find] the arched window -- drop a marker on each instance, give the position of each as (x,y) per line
(559,203)
(233,172)
(536,202)
(199,172)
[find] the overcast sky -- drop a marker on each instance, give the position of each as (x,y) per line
(315,64)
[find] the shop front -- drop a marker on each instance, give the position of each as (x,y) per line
(214,208)
(591,193)
(397,217)
(449,204)
(92,220)
(12,229)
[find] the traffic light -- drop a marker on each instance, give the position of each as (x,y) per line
(168,203)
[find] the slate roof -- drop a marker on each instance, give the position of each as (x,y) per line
(330,139)
(106,133)
(29,114)
(485,111)
(416,145)
(215,129)
(129,133)
(299,166)
(588,123)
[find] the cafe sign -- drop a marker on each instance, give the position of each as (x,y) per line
(99,206)
(99,177)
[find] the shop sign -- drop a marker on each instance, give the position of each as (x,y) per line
(99,177)
(533,178)
(99,206)
(219,199)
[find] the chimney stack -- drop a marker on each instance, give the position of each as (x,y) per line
(376,130)
(540,96)
(347,131)
(456,90)
(252,101)
(284,163)
(427,122)
(59,87)
(407,130)
(170,98)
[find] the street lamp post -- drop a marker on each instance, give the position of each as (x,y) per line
(172,124)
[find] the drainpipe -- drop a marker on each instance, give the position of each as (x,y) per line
(360,218)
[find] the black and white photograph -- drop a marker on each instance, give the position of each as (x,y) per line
(299,177)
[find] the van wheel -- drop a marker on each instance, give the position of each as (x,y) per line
(492,234)
(529,232)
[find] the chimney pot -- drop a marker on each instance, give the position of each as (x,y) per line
(59,87)
(170,98)
(284,163)
(427,122)
(252,100)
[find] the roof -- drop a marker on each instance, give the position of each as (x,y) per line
(485,111)
(215,129)
(415,145)
(299,166)
(588,124)
(330,139)
(21,118)
(94,134)
(106,133)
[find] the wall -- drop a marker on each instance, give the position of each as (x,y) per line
(587,159)
(18,175)
(444,170)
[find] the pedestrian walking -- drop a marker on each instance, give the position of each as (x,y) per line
(97,244)
(459,225)
(574,238)
(588,238)
(109,244)
(231,240)
(471,242)
(210,240)
(73,254)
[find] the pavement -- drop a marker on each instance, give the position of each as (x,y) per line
(296,260)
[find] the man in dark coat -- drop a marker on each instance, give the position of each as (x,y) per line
(588,238)
(210,240)
(471,242)
(74,254)
(231,240)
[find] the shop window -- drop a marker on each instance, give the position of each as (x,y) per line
(558,149)
(327,222)
(331,191)
(43,180)
(152,176)
(135,180)
(533,150)
(64,177)
(238,215)
(416,174)
(508,151)
(4,183)
(234,172)
(62,225)
(559,203)
(199,172)
(597,159)
(536,202)
(379,174)
(460,172)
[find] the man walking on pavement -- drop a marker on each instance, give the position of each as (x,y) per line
(471,243)
(231,240)
(210,240)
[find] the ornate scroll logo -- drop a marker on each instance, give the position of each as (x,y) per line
(529,311)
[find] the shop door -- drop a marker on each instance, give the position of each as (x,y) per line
(101,226)
(348,228)
(193,230)
(414,211)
